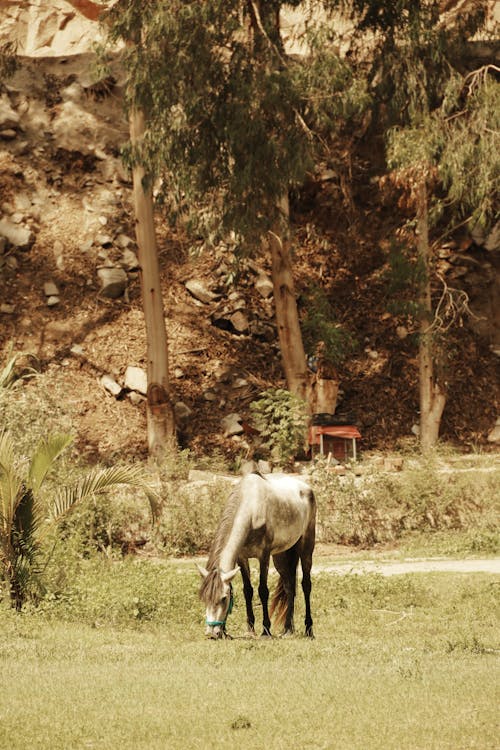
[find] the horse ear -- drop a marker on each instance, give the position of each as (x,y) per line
(226,577)
(202,571)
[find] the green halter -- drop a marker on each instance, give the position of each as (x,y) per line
(222,623)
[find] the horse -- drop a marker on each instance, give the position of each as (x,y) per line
(265,515)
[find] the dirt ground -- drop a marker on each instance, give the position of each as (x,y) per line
(341,241)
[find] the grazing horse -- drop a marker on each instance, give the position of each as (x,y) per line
(265,515)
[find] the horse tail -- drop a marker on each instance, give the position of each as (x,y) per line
(279,603)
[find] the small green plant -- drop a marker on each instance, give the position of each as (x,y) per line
(27,515)
(319,327)
(281,418)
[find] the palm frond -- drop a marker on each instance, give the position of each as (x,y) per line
(46,453)
(7,374)
(10,483)
(94,483)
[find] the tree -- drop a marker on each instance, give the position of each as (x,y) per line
(449,164)
(160,416)
(442,134)
(224,129)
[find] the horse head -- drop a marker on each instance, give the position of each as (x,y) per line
(217,592)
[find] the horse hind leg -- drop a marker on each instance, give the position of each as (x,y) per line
(306,563)
(286,565)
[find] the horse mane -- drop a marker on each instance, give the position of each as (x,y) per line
(211,586)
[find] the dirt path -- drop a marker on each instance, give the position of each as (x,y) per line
(418,565)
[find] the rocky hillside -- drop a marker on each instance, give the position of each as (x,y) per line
(70,293)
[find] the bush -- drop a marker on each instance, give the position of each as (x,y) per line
(382,507)
(281,419)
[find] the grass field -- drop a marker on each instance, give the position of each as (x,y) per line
(120,661)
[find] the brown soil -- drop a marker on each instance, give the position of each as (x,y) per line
(346,254)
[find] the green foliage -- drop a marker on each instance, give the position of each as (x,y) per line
(281,418)
(383,507)
(318,326)
(26,514)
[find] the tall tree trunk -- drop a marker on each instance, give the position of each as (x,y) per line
(285,301)
(160,417)
(432,398)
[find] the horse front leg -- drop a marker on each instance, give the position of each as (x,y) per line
(264,594)
(248,592)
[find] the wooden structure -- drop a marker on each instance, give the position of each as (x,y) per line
(339,440)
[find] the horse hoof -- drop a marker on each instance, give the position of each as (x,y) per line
(309,633)
(266,633)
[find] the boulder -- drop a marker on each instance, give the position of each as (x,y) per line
(9,119)
(19,236)
(231,425)
(136,380)
(264,286)
(113,281)
(110,384)
(200,291)
(494,435)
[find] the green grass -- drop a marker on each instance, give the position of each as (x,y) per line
(119,660)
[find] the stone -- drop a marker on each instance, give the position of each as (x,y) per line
(136,380)
(53,300)
(124,241)
(129,260)
(110,384)
(264,286)
(239,321)
(231,424)
(50,289)
(401,332)
(113,282)
(199,291)
(7,309)
(136,398)
(182,411)
(9,119)
(210,396)
(8,135)
(248,467)
(19,236)
(264,467)
(494,435)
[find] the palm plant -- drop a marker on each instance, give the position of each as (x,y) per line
(26,515)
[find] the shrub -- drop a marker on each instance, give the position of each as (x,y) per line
(281,419)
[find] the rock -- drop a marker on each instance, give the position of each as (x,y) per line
(199,291)
(181,411)
(9,119)
(7,309)
(264,286)
(77,350)
(124,241)
(231,425)
(136,398)
(129,260)
(113,281)
(136,380)
(111,385)
(248,467)
(8,135)
(53,300)
(492,243)
(178,373)
(264,467)
(50,289)
(494,435)
(401,332)
(19,236)
(210,396)
(239,321)
(104,240)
